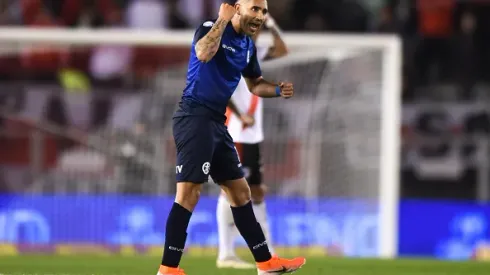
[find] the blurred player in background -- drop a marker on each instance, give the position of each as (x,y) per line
(222,52)
(244,121)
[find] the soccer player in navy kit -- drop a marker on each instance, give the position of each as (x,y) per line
(222,51)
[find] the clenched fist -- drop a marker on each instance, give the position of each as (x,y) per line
(226,11)
(269,21)
(287,89)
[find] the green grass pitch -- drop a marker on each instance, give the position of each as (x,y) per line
(140,265)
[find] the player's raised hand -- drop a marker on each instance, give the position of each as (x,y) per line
(226,11)
(287,89)
(269,21)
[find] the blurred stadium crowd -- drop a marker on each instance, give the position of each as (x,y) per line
(445,40)
(445,51)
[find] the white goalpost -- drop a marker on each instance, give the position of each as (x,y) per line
(344,120)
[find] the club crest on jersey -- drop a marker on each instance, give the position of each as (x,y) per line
(208,24)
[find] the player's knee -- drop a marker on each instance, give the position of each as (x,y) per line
(258,193)
(188,194)
(240,196)
(237,192)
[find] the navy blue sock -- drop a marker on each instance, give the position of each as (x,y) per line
(175,235)
(251,231)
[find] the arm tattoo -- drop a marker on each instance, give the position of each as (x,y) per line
(209,44)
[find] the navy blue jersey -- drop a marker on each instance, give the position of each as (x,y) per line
(210,85)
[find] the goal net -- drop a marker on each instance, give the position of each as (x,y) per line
(94,109)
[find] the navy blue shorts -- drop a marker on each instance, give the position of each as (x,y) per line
(204,148)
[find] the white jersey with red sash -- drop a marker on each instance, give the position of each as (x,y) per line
(247,103)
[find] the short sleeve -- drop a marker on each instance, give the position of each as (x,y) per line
(253,68)
(203,30)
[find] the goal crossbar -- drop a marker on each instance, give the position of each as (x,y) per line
(178,38)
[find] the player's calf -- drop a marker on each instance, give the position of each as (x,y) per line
(176,228)
(238,193)
(227,233)
(258,198)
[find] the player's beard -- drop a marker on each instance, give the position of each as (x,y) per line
(250,26)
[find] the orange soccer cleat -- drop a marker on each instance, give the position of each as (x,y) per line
(278,265)
(165,270)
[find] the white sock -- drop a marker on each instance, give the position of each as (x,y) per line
(227,230)
(261,216)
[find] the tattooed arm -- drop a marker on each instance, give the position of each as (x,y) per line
(207,46)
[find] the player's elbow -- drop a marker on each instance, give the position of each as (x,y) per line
(254,90)
(285,51)
(252,83)
(203,56)
(280,52)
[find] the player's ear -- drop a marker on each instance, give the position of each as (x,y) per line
(237,7)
